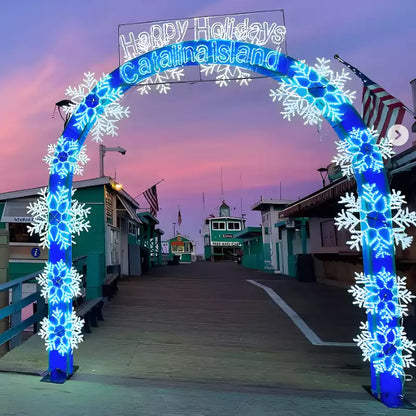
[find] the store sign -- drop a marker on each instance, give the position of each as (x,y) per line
(225,244)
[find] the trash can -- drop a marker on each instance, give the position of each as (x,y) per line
(305,271)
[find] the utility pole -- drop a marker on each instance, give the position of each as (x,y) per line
(413,85)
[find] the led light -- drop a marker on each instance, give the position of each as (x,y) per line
(372,223)
(56,218)
(387,347)
(100,106)
(313,92)
(59,283)
(65,158)
(378,294)
(61,331)
(361,151)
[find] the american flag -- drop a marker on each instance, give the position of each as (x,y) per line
(380,109)
(151,197)
(179,217)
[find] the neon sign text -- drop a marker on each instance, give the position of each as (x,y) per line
(206,28)
(203,53)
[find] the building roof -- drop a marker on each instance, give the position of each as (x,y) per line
(249,233)
(265,204)
(147,217)
(104,180)
(226,218)
(328,194)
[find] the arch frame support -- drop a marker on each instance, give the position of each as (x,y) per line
(334,107)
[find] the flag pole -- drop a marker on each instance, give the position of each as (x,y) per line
(356,71)
(141,193)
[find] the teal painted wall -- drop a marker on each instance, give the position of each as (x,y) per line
(94,239)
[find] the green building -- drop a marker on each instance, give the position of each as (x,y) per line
(119,242)
(219,232)
(182,247)
(253,250)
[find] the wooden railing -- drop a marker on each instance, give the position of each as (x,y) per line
(13,312)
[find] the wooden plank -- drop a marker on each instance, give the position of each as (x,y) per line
(15,331)
(14,307)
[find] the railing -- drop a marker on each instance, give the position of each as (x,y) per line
(14,310)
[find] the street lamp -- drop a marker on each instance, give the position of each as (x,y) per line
(104,150)
(324,174)
(174,229)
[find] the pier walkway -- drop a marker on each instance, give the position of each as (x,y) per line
(206,339)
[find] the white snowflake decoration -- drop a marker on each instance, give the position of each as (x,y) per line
(361,152)
(160,81)
(59,283)
(375,293)
(57,217)
(388,349)
(376,226)
(100,108)
(65,157)
(226,73)
(311,94)
(62,331)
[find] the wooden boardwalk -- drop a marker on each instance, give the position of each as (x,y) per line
(203,326)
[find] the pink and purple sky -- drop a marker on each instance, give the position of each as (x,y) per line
(189,135)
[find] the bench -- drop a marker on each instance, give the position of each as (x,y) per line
(110,285)
(92,311)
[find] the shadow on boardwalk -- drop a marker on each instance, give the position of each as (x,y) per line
(200,340)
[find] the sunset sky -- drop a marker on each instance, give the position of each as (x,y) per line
(189,135)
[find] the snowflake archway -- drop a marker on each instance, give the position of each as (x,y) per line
(311,92)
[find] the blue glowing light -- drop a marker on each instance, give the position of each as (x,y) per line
(59,283)
(61,331)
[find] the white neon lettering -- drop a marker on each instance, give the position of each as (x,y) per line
(199,29)
(181,29)
(169,32)
(156,34)
(207,28)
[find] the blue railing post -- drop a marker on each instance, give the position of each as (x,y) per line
(4,296)
(16,316)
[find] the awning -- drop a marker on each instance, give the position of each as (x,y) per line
(16,210)
(327,194)
(130,210)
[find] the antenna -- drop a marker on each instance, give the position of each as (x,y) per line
(241,195)
(222,186)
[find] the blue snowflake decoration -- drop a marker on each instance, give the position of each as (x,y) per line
(65,158)
(61,331)
(360,151)
(313,92)
(57,217)
(98,106)
(388,349)
(369,220)
(384,294)
(59,283)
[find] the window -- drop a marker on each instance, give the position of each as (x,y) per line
(18,233)
(234,226)
(218,225)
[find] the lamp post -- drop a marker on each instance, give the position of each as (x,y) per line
(413,85)
(174,229)
(104,150)
(324,173)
